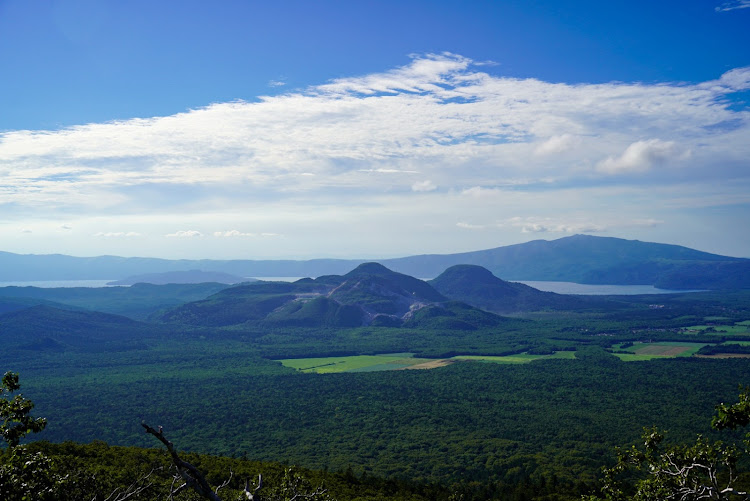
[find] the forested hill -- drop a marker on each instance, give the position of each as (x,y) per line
(371,294)
(579,258)
(478,287)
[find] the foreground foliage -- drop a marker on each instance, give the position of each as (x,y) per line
(705,469)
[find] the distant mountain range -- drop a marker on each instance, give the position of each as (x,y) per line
(581,258)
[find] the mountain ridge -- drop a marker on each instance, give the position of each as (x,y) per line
(579,258)
(371,294)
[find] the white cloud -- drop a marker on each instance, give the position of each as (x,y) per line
(65,227)
(469,226)
(361,146)
(733,5)
(574,225)
(641,156)
(233,233)
(737,79)
(534,228)
(438,117)
(117,234)
(426,185)
(480,192)
(184,234)
(276,83)
(556,144)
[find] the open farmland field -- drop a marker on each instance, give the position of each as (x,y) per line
(648,351)
(738,329)
(521,358)
(727,355)
(400,361)
(358,363)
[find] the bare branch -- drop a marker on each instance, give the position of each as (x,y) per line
(192,477)
(133,489)
(250,496)
(226,482)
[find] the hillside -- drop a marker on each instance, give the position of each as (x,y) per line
(478,287)
(580,258)
(44,328)
(371,294)
(136,302)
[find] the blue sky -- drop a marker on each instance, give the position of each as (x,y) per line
(370,129)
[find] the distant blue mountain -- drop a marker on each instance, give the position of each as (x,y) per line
(580,258)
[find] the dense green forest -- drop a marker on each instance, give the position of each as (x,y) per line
(207,370)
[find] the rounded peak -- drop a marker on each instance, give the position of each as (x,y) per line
(472,271)
(371,268)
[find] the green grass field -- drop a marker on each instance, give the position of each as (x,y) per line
(358,363)
(648,351)
(521,358)
(738,329)
(396,361)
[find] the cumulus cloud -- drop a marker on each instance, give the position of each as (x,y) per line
(426,185)
(556,144)
(641,156)
(184,234)
(233,233)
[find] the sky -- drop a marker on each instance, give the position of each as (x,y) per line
(339,129)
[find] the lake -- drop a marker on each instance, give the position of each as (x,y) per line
(558,287)
(587,289)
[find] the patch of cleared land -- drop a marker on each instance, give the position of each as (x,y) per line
(726,355)
(648,351)
(433,364)
(738,329)
(521,358)
(357,363)
(401,361)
